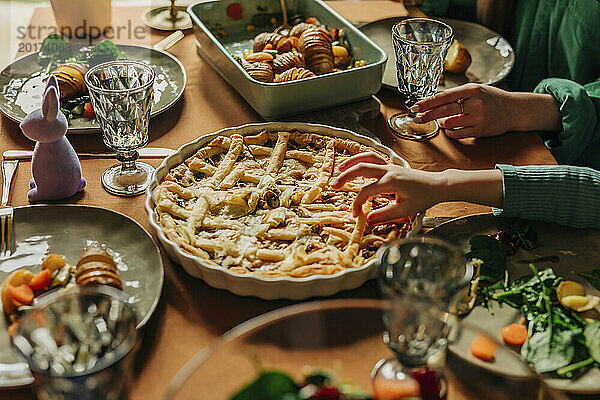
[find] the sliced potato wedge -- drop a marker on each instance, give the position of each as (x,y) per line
(95,254)
(572,295)
(54,262)
(569,288)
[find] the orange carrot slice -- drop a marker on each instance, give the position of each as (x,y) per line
(41,280)
(514,334)
(21,294)
(483,347)
(394,389)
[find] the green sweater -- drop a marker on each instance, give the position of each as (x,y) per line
(557,48)
(566,195)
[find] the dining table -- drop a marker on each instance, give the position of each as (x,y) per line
(191,314)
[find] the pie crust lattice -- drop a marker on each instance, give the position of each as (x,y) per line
(262,204)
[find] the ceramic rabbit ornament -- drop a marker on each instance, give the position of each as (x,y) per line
(55,167)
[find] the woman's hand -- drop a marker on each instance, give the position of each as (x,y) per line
(415,190)
(475,110)
(485,111)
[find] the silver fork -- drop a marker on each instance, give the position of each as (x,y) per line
(6,212)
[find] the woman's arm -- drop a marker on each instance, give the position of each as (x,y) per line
(416,190)
(489,111)
(563,194)
(567,114)
(479,187)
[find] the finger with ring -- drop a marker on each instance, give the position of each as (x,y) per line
(460,102)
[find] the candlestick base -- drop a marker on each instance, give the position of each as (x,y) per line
(161,18)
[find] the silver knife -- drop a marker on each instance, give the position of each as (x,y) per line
(146,152)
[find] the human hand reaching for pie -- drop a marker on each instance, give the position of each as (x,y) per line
(414,190)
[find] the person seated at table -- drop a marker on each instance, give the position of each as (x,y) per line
(567,195)
(556,74)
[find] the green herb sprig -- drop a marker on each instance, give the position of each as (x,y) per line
(558,342)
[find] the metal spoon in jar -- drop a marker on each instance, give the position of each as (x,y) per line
(285,28)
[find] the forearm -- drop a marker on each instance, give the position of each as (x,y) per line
(534,112)
(563,194)
(480,187)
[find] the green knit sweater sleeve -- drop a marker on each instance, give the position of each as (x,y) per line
(566,195)
(579,140)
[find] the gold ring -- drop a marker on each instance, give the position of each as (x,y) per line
(460,101)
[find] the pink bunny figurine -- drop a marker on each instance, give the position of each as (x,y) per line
(55,167)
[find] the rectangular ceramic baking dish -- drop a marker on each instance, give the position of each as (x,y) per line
(218,36)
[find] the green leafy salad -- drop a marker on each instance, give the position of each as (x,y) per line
(57,56)
(55,50)
(560,341)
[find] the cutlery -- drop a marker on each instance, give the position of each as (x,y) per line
(169,41)
(286,26)
(6,212)
(146,152)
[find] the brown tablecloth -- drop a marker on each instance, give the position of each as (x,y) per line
(190,313)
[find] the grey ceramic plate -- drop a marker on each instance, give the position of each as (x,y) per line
(576,249)
(492,56)
(22,84)
(68,230)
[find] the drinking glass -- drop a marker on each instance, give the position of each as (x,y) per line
(79,343)
(122,95)
(83,18)
(425,280)
(420,45)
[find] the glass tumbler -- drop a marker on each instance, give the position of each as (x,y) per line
(121,93)
(420,45)
(425,280)
(78,344)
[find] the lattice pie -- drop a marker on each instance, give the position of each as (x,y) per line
(262,204)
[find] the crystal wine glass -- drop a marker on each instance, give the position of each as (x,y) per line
(122,95)
(79,343)
(425,279)
(421,45)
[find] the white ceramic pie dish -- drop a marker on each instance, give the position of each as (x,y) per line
(249,284)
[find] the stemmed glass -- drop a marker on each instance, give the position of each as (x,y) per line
(425,280)
(421,45)
(122,95)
